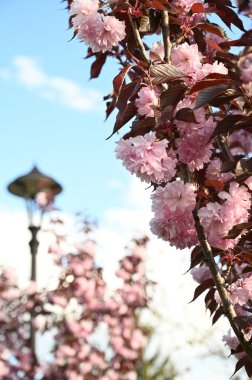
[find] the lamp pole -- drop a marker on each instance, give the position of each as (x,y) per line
(34,243)
(28,187)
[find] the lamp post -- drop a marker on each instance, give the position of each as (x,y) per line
(28,187)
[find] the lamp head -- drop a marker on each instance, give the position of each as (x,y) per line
(32,183)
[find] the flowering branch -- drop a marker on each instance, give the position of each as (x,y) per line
(166,36)
(220,285)
(219,281)
(138,39)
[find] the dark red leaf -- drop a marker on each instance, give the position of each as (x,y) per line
(140,127)
(209,94)
(199,39)
(74,33)
(211,28)
(217,315)
(199,8)
(186,114)
(248,368)
(196,252)
(170,98)
(210,82)
(160,5)
(229,17)
(119,80)
(239,365)
(202,288)
(212,306)
(232,123)
(123,117)
(110,108)
(227,56)
(97,65)
(237,229)
(173,94)
(128,91)
(220,2)
(210,302)
(228,166)
(218,185)
(245,40)
(209,296)
(213,45)
(246,164)
(225,97)
(197,257)
(162,73)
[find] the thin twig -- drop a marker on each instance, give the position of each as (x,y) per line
(222,143)
(166,36)
(138,39)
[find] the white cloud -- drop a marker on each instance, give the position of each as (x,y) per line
(57,89)
(28,73)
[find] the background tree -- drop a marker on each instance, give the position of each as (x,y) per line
(96,330)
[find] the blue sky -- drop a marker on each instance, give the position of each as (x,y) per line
(51,114)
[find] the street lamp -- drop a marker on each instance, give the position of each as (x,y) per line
(28,187)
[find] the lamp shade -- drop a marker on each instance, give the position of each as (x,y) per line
(32,183)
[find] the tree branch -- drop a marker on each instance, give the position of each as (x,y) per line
(166,36)
(220,285)
(138,39)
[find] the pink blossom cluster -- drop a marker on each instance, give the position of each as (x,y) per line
(194,145)
(97,30)
(146,100)
(74,349)
(185,18)
(157,51)
(173,221)
(185,5)
(213,171)
(219,218)
(16,358)
(240,292)
(189,60)
(147,157)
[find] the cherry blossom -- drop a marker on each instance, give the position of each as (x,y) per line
(147,98)
(147,157)
(186,57)
(81,8)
